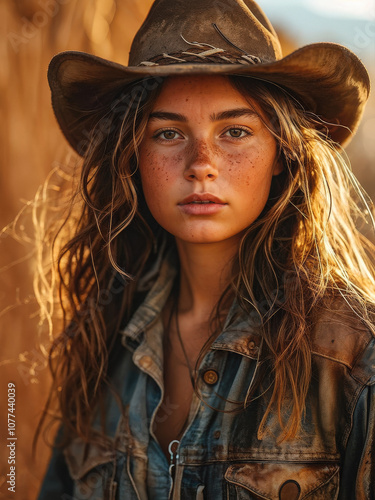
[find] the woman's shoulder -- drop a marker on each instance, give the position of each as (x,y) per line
(340,333)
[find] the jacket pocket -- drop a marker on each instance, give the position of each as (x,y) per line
(92,468)
(282,481)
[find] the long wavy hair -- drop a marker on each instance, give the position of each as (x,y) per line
(304,250)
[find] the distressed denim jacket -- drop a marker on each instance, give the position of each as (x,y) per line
(219,456)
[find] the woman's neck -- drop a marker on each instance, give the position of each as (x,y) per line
(205,271)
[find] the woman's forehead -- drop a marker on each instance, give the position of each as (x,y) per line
(213,92)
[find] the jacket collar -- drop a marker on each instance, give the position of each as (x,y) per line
(165,272)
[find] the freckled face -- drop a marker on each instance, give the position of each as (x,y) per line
(206,160)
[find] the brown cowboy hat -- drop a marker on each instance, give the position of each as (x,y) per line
(216,37)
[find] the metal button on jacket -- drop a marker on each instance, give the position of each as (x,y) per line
(145,362)
(290,490)
(210,377)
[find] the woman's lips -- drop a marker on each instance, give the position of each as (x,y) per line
(201,204)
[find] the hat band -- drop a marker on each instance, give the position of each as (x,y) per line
(194,55)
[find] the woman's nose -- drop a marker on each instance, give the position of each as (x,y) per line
(200,162)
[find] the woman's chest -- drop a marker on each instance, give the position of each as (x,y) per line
(171,416)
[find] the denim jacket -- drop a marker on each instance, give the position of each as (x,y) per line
(219,456)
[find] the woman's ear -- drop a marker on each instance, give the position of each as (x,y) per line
(278,167)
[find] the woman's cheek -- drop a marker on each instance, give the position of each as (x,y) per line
(150,168)
(240,168)
(155,176)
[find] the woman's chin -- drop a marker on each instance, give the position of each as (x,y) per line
(208,237)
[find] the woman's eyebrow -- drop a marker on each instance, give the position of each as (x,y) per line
(166,115)
(233,113)
(223,115)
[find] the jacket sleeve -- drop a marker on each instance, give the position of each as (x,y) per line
(57,483)
(358,470)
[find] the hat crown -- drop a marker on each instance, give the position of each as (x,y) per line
(168,23)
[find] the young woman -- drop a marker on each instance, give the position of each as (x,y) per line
(218,298)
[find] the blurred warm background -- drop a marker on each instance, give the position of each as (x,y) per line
(32,146)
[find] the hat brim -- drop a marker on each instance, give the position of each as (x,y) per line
(328,79)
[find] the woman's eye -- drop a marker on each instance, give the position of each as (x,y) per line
(238,133)
(167,135)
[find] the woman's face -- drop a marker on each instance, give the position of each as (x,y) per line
(206,160)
